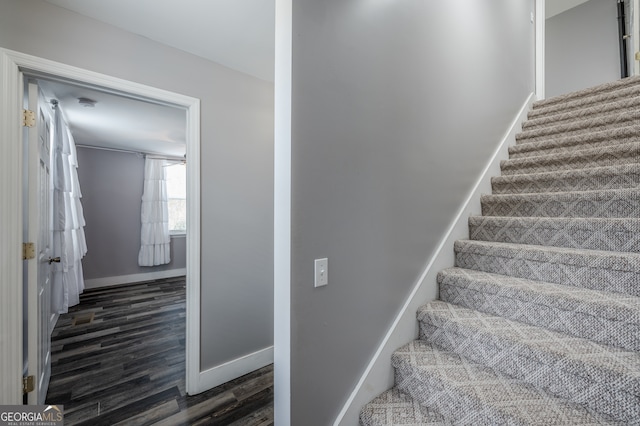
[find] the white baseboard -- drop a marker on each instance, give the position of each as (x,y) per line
(222,373)
(134,278)
(378,376)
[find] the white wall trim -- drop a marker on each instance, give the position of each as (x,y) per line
(11,354)
(193,252)
(540,48)
(378,376)
(222,373)
(635,35)
(11,65)
(133,278)
(282,213)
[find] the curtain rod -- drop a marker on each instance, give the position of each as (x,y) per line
(142,154)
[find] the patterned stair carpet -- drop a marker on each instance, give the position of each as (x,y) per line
(538,323)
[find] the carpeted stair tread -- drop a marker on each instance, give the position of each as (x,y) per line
(601,203)
(628,153)
(593,269)
(590,110)
(606,317)
(563,143)
(591,93)
(471,394)
(396,408)
(573,368)
(613,234)
(593,178)
(579,127)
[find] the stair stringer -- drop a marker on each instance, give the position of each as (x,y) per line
(379,374)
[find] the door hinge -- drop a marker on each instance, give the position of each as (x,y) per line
(28,118)
(28,384)
(28,251)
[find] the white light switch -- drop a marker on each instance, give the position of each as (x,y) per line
(322,272)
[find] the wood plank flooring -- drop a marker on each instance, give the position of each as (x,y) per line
(118,358)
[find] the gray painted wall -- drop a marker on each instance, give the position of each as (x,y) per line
(111,185)
(396,109)
(582,47)
(236,160)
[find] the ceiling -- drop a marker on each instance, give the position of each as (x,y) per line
(119,122)
(238,34)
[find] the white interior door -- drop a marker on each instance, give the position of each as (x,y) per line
(39,232)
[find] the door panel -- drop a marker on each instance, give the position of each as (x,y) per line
(40,231)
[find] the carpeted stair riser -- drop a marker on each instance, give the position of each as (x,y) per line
(630,101)
(580,127)
(577,369)
(396,408)
(596,270)
(605,317)
(566,143)
(471,394)
(600,93)
(575,160)
(596,178)
(579,233)
(621,203)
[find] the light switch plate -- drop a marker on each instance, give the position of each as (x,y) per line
(321,267)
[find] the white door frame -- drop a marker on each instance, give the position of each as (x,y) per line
(282,213)
(540,17)
(12,64)
(635,36)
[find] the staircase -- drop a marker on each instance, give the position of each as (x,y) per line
(539,322)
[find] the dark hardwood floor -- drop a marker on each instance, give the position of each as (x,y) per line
(119,358)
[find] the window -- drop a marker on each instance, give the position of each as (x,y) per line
(177,197)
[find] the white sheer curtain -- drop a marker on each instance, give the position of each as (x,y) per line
(68,221)
(154,235)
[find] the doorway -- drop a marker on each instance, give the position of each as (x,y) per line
(582,45)
(13,67)
(101,144)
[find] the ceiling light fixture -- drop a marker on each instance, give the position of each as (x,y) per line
(86,102)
